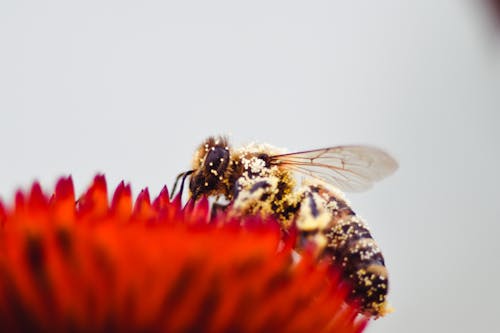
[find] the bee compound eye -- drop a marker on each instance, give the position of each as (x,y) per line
(217,159)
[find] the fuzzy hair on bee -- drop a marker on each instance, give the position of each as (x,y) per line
(259,179)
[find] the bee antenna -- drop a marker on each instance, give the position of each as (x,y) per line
(184,176)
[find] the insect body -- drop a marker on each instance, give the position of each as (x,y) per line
(326,220)
(258,179)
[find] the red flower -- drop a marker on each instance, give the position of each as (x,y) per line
(82,265)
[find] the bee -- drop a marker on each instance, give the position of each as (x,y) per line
(259,179)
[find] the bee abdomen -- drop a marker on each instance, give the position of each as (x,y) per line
(351,246)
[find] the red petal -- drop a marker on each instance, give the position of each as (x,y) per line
(85,267)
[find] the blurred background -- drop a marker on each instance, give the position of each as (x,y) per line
(131,88)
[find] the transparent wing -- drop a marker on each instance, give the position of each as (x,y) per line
(350,168)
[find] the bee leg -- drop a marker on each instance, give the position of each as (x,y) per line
(216,209)
(255,197)
(312,219)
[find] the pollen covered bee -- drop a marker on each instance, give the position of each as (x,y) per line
(259,179)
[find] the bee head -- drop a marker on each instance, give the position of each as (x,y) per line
(210,164)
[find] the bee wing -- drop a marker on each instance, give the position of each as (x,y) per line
(350,168)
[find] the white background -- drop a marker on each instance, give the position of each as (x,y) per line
(130,88)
